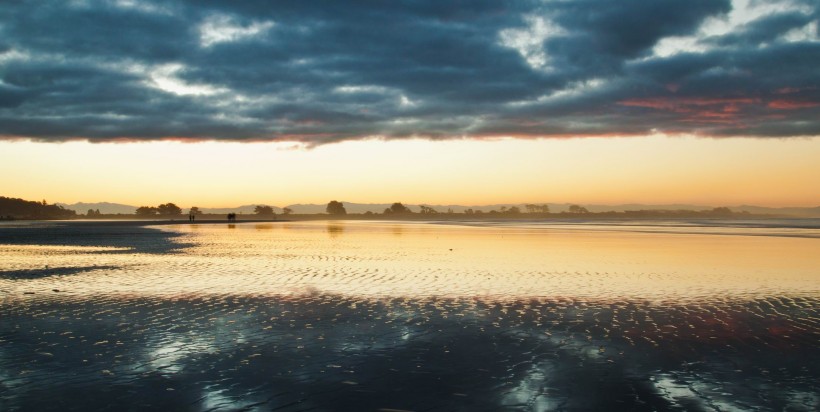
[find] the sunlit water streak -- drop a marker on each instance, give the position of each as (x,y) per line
(363,315)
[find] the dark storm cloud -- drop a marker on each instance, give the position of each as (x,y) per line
(321,72)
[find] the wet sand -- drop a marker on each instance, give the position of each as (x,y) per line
(378,315)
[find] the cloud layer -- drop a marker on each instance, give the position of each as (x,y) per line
(318,72)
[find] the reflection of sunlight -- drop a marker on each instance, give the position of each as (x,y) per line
(369,260)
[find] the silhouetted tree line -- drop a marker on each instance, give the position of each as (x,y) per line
(14,208)
(715,212)
(533,208)
(264,210)
(165,209)
(577,209)
(335,208)
(398,209)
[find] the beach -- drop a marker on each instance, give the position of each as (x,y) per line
(343,315)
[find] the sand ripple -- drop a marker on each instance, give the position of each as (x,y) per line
(348,316)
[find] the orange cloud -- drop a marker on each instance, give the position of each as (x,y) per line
(684,105)
(791,104)
(697,110)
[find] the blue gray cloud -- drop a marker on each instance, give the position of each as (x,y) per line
(319,72)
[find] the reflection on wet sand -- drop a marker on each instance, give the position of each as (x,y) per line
(335,229)
(289,318)
(367,259)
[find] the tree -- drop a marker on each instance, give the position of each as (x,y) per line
(195,211)
(169,209)
(533,208)
(287,211)
(335,208)
(397,208)
(577,209)
(13,208)
(722,211)
(146,211)
(428,210)
(514,210)
(263,210)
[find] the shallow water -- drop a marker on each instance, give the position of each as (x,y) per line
(411,316)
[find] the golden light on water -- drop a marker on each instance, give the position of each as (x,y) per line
(361,259)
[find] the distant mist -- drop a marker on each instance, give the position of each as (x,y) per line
(313,208)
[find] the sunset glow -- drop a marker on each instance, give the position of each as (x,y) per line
(706,103)
(654,170)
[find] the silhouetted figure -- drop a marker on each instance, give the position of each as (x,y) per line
(232,217)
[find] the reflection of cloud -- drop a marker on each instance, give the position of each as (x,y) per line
(337,352)
(531,390)
(166,357)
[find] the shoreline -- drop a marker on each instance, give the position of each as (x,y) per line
(139,222)
(736,222)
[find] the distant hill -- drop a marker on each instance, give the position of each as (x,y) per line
(26,209)
(793,211)
(104,207)
(244,209)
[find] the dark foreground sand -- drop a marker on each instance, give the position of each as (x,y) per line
(94,334)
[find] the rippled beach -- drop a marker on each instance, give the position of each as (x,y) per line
(342,315)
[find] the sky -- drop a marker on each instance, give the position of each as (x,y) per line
(589,101)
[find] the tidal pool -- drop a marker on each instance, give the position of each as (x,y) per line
(344,315)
